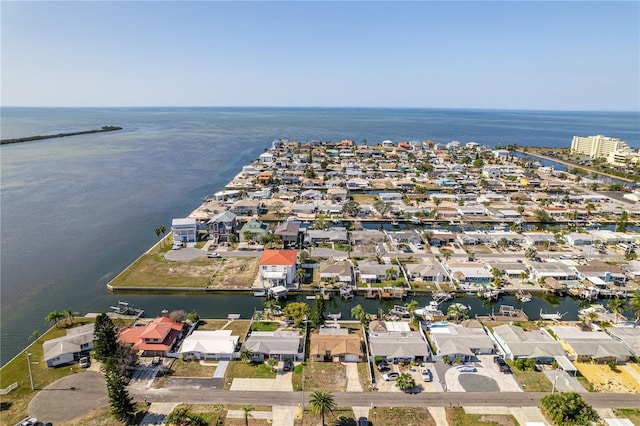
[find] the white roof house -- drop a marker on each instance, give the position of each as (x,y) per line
(585,346)
(210,344)
(66,349)
(536,344)
(395,341)
(184,229)
(463,341)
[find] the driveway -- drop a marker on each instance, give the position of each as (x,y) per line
(69,397)
(183,254)
(488,378)
(564,382)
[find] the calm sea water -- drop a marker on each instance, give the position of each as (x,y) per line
(76,211)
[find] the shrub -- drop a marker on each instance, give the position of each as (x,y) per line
(568,409)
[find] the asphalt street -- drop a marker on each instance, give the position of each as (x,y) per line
(396,399)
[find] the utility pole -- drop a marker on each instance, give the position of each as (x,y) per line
(30,374)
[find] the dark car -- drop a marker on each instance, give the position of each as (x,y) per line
(504,367)
(288,365)
(363,421)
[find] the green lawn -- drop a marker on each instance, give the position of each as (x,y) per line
(531,381)
(240,369)
(265,326)
(632,414)
(14,404)
(458,417)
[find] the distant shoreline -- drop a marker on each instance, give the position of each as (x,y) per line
(59,135)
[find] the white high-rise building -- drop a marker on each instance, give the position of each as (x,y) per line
(597,146)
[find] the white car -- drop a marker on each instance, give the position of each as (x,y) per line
(213,255)
(84,362)
(177,246)
(390,376)
(426,374)
(467,369)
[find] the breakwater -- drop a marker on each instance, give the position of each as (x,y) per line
(59,135)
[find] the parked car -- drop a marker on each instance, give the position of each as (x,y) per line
(363,421)
(383,367)
(504,367)
(467,369)
(85,362)
(176,246)
(390,376)
(213,255)
(288,365)
(426,374)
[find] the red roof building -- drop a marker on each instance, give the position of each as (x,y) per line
(277,267)
(278,257)
(154,339)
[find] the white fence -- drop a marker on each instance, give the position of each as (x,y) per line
(8,388)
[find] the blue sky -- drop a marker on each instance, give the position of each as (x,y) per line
(508,55)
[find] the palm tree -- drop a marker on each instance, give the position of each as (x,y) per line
(591,316)
(160,230)
(411,306)
(69,314)
(390,274)
(634,303)
(446,254)
(246,354)
(299,274)
(54,318)
(523,276)
(246,410)
(320,403)
(405,382)
(360,314)
(617,305)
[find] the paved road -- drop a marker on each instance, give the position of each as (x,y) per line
(510,399)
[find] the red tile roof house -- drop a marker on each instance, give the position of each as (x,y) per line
(278,267)
(154,339)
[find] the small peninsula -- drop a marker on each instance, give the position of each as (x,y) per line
(59,135)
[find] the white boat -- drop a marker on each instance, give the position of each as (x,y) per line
(429,311)
(400,311)
(278,292)
(523,296)
(490,294)
(554,317)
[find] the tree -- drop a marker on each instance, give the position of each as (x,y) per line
(456,311)
(247,235)
(530,252)
(232,239)
(104,338)
(390,274)
(122,405)
(300,274)
(382,207)
(193,316)
(345,421)
(617,305)
(35,335)
(246,412)
(277,208)
(321,403)
(405,382)
(178,315)
(358,312)
(351,208)
(304,256)
(297,311)
(621,224)
(247,355)
(634,303)
(160,230)
(69,315)
(180,416)
(411,306)
(446,254)
(542,216)
(317,316)
(54,318)
(124,361)
(591,316)
(568,409)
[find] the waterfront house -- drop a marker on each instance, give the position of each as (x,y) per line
(630,336)
(209,344)
(184,230)
(578,239)
(289,233)
(222,226)
(396,342)
(254,229)
(335,345)
(155,339)
(334,235)
(428,270)
(374,272)
(557,270)
(538,239)
(534,344)
(469,272)
(463,341)
(267,158)
(77,342)
(281,345)
(587,346)
(599,269)
(246,207)
(278,267)
(340,271)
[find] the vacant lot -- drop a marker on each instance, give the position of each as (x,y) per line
(531,381)
(153,270)
(405,416)
(458,417)
(329,376)
(309,419)
(625,378)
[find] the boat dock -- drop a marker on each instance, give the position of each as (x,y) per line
(505,313)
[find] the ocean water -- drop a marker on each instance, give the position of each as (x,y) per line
(76,211)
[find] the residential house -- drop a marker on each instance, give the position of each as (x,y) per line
(587,346)
(281,345)
(463,341)
(246,207)
(254,229)
(539,239)
(339,271)
(374,272)
(278,267)
(395,342)
(289,233)
(155,339)
(184,230)
(469,272)
(534,344)
(427,270)
(557,270)
(599,269)
(630,336)
(222,226)
(578,239)
(77,342)
(335,345)
(209,344)
(334,235)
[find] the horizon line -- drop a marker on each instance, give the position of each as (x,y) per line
(324,107)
